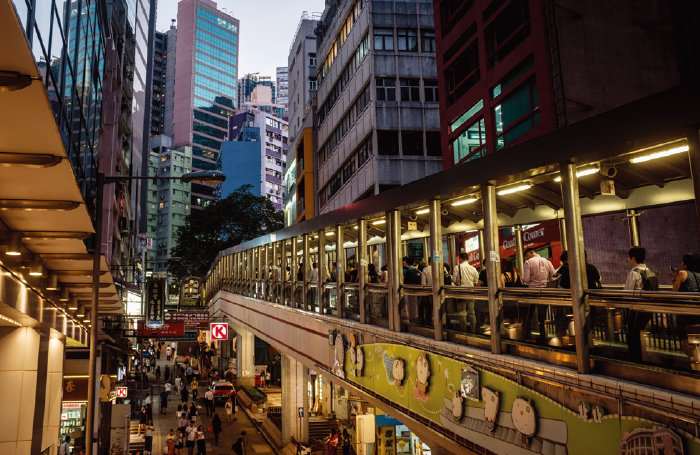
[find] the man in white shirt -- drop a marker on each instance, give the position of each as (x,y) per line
(636,320)
(466,275)
(209,397)
(191,433)
(65,447)
(536,274)
(313,274)
(425,306)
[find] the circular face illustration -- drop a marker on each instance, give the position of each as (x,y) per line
(340,350)
(398,371)
(360,360)
(353,357)
(523,415)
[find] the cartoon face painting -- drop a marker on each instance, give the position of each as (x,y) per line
(457,405)
(360,360)
(397,371)
(523,415)
(422,377)
(491,402)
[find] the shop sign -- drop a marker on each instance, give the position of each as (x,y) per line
(219,330)
(75,389)
(121,392)
(193,320)
(168,330)
(191,292)
(155,300)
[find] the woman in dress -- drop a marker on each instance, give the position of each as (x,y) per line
(201,442)
(150,432)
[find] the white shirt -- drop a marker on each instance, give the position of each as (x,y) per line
(177,382)
(634,278)
(426,278)
(313,275)
(465,275)
(64,449)
(168,387)
(538,271)
(229,407)
(191,433)
(150,431)
(209,395)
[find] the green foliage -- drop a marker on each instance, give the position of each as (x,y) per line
(255,394)
(239,217)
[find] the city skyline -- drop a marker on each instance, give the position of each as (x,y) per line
(261,50)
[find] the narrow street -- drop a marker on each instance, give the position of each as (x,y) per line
(231,431)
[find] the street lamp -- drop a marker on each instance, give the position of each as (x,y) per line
(212,177)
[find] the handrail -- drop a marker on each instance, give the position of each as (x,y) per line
(417,290)
(377,288)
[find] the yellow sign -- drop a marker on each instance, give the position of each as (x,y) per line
(105,387)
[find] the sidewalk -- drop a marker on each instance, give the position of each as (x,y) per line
(231,431)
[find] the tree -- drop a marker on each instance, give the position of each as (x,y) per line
(241,216)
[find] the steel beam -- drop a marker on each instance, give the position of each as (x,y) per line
(493,269)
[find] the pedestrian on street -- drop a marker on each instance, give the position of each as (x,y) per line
(193,411)
(239,447)
(163,401)
(158,373)
(209,397)
(184,395)
(201,441)
(149,411)
(168,353)
(168,388)
(150,431)
(182,423)
(191,437)
(166,372)
(195,384)
(170,442)
(142,420)
(216,428)
(346,442)
(178,383)
(229,409)
(65,447)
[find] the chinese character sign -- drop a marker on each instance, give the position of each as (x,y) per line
(155,300)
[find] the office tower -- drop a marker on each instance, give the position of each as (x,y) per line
(299,176)
(255,154)
(377,116)
(206,71)
(282,83)
(247,84)
(512,70)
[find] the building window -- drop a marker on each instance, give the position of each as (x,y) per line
(517,115)
(312,85)
(471,143)
(364,151)
(412,143)
(410,89)
(451,11)
(433,145)
(407,40)
(463,73)
(383,39)
(312,61)
(386,89)
(388,142)
(428,40)
(507,30)
(430,88)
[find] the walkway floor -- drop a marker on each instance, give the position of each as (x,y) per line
(231,431)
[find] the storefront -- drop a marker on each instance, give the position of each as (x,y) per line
(74,409)
(394,438)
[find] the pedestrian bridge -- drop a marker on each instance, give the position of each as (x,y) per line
(495,368)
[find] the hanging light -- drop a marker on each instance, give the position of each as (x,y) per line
(36,268)
(65,294)
(73,305)
(81,311)
(464,201)
(14,247)
(514,189)
(52,282)
(422,212)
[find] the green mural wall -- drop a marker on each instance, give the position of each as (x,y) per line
(559,429)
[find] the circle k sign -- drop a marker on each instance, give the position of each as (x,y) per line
(122,392)
(219,330)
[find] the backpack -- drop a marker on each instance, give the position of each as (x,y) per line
(413,276)
(649,280)
(237,446)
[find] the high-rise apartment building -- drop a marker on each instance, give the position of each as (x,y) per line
(377,115)
(171,38)
(168,199)
(299,175)
(247,84)
(512,70)
(282,83)
(255,154)
(206,71)
(160,65)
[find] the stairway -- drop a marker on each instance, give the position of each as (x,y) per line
(320,428)
(136,443)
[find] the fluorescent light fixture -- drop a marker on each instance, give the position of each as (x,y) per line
(330,234)
(464,201)
(422,212)
(73,305)
(582,173)
(36,267)
(85,321)
(661,154)
(378,222)
(81,311)
(515,189)
(14,247)
(355,227)
(10,320)
(65,295)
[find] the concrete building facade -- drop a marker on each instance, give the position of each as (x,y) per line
(282,84)
(268,134)
(377,114)
(206,72)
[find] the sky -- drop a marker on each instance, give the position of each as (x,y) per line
(266,29)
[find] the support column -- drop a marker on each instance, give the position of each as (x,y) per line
(322,270)
(340,285)
(519,253)
(493,269)
(305,258)
(562,235)
(283,270)
(275,280)
(435,254)
(633,221)
(268,270)
(245,357)
(362,263)
(394,266)
(577,264)
(295,396)
(482,248)
(694,159)
(293,272)
(451,258)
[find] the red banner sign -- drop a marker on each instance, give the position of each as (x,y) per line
(193,320)
(168,330)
